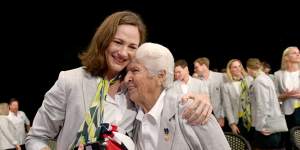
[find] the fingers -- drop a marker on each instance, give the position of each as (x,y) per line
(199,111)
(191,108)
(221,122)
(186,97)
(197,117)
(207,114)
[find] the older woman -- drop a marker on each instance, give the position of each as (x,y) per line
(149,79)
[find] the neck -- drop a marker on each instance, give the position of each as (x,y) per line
(111,74)
(186,79)
(237,78)
(205,74)
(15,112)
(291,67)
(150,100)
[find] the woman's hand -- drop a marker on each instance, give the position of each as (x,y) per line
(200,109)
(234,128)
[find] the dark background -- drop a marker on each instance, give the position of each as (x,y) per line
(39,40)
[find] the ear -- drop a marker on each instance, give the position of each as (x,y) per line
(162,76)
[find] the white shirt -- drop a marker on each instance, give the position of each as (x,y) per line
(150,125)
(19,121)
(237,87)
(291,80)
(114,108)
(185,87)
(8,139)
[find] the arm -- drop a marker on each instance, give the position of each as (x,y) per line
(229,110)
(227,105)
(27,122)
(49,118)
(262,98)
(207,137)
(200,109)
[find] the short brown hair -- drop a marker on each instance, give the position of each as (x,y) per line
(202,60)
(181,62)
(94,57)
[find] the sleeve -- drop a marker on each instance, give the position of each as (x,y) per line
(276,83)
(262,99)
(8,130)
(27,122)
(220,112)
(50,116)
(227,105)
(206,137)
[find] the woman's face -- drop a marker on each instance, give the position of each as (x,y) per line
(293,55)
(122,48)
(236,69)
(140,82)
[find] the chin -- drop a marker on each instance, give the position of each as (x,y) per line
(118,68)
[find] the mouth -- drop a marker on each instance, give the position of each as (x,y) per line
(130,88)
(119,60)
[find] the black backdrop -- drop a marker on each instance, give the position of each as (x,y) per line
(39,40)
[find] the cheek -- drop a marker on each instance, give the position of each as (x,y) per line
(131,54)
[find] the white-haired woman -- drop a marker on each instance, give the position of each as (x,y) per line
(159,124)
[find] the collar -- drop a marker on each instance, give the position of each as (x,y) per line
(155,111)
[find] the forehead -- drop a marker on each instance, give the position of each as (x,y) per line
(135,63)
(178,68)
(293,50)
(14,102)
(235,63)
(129,33)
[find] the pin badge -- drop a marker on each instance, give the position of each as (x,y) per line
(167,134)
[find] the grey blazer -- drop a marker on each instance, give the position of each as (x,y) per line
(232,100)
(215,81)
(264,101)
(183,136)
(63,108)
(287,106)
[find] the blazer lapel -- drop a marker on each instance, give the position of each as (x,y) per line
(168,123)
(89,89)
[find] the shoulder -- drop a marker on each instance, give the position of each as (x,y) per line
(263,80)
(197,81)
(278,73)
(21,112)
(217,74)
(74,74)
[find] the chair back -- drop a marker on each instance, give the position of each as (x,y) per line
(237,142)
(295,136)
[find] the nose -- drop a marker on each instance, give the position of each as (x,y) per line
(123,51)
(128,77)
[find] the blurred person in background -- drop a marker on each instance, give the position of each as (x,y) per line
(8,137)
(20,121)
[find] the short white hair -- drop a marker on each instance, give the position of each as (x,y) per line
(156,58)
